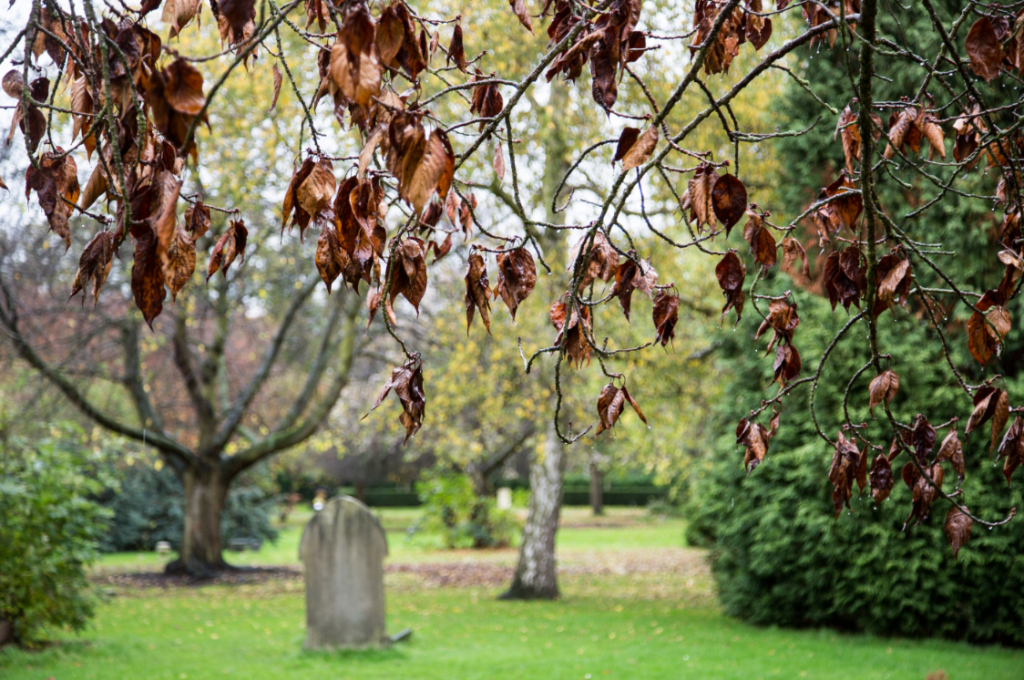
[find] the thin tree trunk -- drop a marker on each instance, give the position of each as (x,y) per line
(201,550)
(535,576)
(596,490)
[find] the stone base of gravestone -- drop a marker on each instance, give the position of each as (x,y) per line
(343,549)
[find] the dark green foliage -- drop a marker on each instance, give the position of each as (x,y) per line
(48,535)
(463,520)
(778,555)
(148,508)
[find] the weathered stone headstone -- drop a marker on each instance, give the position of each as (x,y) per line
(504,498)
(343,549)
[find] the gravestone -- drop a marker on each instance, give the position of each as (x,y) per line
(343,549)
(504,498)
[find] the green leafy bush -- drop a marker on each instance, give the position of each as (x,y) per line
(49,530)
(453,511)
(780,557)
(147,506)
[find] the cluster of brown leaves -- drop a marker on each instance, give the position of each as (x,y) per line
(1012,448)
(610,43)
(634,149)
(848,130)
(610,404)
(407,382)
(759,236)
(991,320)
(845,277)
(55,182)
(712,199)
(740,26)
(817,14)
(573,331)
(27,116)
(843,208)
(907,127)
(849,464)
(892,271)
(755,439)
(634,275)
(782,319)
(666,315)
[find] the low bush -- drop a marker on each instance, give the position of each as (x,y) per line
(779,555)
(463,520)
(49,530)
(147,506)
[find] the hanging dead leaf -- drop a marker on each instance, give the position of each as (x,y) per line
(55,182)
(456,50)
(517,275)
(953,451)
(147,274)
(197,219)
(757,234)
(791,250)
(407,382)
(958,528)
(755,440)
(984,49)
(731,273)
(666,315)
(278,79)
(572,332)
(698,198)
(630,277)
(178,13)
(94,266)
(844,277)
(729,201)
(179,262)
(477,291)
(522,13)
(230,245)
(881,479)
(330,258)
(640,152)
(883,388)
(599,262)
(894,279)
(407,272)
(610,404)
(845,469)
(787,364)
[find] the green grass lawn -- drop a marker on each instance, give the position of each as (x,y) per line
(658,623)
(246,632)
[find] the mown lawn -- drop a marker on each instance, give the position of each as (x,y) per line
(652,623)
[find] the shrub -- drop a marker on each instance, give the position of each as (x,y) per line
(48,535)
(780,557)
(452,510)
(147,507)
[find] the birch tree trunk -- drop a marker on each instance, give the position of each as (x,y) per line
(536,576)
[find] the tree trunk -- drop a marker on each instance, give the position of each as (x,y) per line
(201,550)
(596,490)
(535,576)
